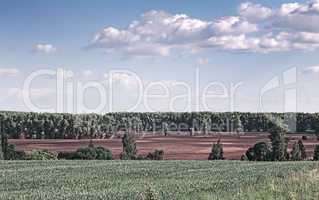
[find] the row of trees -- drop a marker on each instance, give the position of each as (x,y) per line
(77,126)
(276,150)
(91,152)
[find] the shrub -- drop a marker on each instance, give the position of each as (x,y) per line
(217,152)
(262,151)
(129,147)
(250,154)
(316,152)
(259,152)
(156,155)
(88,153)
(41,155)
(66,155)
(140,157)
(304,137)
(103,154)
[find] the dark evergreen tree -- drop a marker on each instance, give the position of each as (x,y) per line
(295,153)
(302,150)
(129,146)
(279,142)
(217,152)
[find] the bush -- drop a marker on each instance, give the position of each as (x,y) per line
(259,152)
(156,155)
(217,152)
(250,154)
(316,152)
(66,155)
(304,137)
(88,153)
(41,155)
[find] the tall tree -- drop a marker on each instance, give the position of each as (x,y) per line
(295,154)
(217,151)
(279,142)
(129,146)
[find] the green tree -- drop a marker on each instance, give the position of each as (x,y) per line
(217,152)
(129,146)
(295,153)
(279,142)
(303,150)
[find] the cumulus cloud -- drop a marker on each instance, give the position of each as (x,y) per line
(44,48)
(7,72)
(254,12)
(233,24)
(254,28)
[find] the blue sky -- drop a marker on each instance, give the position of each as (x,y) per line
(229,42)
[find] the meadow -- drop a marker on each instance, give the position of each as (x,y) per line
(79,180)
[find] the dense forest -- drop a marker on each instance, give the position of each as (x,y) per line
(77,126)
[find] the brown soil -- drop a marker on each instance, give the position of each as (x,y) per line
(176,147)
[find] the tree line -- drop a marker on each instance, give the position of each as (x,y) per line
(79,126)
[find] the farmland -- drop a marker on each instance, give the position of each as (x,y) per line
(175,147)
(77,180)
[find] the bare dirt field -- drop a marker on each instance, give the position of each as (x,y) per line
(176,147)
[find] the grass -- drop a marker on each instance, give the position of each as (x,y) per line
(78,180)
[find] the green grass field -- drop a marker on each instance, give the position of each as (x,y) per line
(77,180)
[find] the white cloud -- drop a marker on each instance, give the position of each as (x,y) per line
(257,28)
(254,12)
(6,72)
(233,24)
(298,17)
(44,48)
